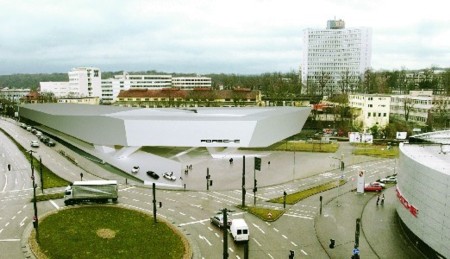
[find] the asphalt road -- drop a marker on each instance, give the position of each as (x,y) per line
(190,210)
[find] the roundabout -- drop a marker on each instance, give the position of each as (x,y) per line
(106,231)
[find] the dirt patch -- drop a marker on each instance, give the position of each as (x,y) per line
(106,233)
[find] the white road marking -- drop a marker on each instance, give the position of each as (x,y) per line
(256,241)
(54,204)
(276,230)
(23,221)
(294,244)
(193,222)
(303,252)
(297,216)
(270,256)
(206,240)
(9,240)
(259,228)
(285,237)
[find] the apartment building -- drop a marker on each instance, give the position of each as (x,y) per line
(111,87)
(370,109)
(59,89)
(13,95)
(191,82)
(335,58)
(419,105)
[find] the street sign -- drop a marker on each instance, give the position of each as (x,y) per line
(258,163)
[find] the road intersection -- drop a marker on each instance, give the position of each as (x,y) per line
(300,229)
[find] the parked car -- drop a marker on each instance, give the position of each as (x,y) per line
(169,176)
(378,184)
(218,220)
(135,169)
(34,143)
(389,179)
(370,188)
(49,142)
(153,175)
(23,125)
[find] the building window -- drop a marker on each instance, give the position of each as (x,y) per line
(384,114)
(370,105)
(368,115)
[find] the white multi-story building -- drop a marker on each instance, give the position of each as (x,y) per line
(335,58)
(111,87)
(373,109)
(14,95)
(419,105)
(85,82)
(189,83)
(59,89)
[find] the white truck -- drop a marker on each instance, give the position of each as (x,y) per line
(239,230)
(95,191)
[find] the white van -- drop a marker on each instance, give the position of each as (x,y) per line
(239,230)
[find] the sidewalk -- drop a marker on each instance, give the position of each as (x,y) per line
(380,233)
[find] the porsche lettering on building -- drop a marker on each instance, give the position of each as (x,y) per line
(220,141)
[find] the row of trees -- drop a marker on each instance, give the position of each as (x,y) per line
(285,85)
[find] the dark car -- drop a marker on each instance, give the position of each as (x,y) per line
(48,141)
(153,175)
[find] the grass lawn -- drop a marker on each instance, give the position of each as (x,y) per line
(263,213)
(108,232)
(375,150)
(301,146)
(293,198)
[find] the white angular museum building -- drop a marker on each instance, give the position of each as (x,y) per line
(116,134)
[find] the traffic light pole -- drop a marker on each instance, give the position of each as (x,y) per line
(207,178)
(243,182)
(154,202)
(42,176)
(35,218)
(254,187)
(225,233)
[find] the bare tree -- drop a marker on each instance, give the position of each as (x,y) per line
(408,105)
(322,79)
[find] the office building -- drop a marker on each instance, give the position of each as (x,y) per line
(335,59)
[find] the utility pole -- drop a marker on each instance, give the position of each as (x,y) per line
(358,222)
(255,182)
(207,178)
(35,217)
(42,176)
(243,181)
(154,202)
(284,199)
(225,233)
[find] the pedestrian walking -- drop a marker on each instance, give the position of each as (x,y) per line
(231,161)
(382,200)
(378,199)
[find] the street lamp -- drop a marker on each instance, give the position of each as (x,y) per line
(341,167)
(35,218)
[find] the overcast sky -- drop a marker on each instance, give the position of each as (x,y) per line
(207,36)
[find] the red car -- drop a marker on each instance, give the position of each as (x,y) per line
(372,188)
